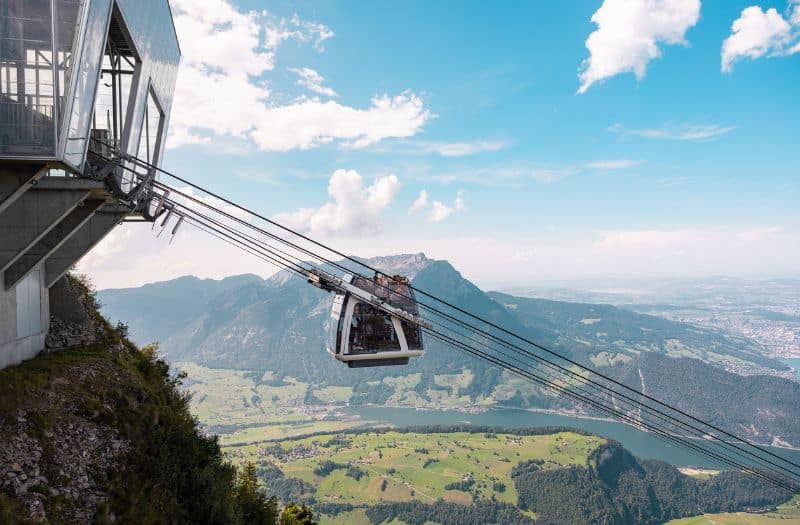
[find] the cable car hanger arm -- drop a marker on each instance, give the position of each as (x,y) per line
(330,283)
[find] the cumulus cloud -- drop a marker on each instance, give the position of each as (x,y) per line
(354,209)
(309,123)
(420,203)
(757,33)
(222,52)
(222,90)
(682,132)
(312,80)
(437,211)
(629,34)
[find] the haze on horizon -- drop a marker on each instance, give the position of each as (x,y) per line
(554,150)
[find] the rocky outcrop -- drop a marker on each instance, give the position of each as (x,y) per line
(71,321)
(63,468)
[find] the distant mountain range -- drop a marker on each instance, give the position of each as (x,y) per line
(278,325)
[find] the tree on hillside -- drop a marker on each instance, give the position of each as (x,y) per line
(297,515)
(253,506)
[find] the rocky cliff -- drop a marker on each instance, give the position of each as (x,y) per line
(100,432)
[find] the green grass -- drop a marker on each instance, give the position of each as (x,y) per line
(275,432)
(418,466)
(355,517)
(786,514)
(334,394)
(235,406)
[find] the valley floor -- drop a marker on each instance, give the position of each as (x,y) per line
(786,514)
(269,421)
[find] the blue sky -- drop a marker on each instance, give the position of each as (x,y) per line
(665,165)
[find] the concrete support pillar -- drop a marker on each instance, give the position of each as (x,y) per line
(16,179)
(83,240)
(60,234)
(30,217)
(15,345)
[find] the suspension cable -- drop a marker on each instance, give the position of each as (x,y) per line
(287,264)
(564,391)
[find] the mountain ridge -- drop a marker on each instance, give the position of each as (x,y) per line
(278,325)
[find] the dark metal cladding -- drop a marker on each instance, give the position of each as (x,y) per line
(377,362)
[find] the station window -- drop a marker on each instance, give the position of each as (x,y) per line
(149,140)
(27,91)
(119,65)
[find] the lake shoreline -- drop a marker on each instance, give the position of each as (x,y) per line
(560,413)
(643,444)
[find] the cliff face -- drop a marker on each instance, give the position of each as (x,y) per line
(101,432)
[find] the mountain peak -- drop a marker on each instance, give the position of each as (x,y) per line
(408,264)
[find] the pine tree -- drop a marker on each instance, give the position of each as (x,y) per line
(253,506)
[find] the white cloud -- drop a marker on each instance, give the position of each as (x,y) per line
(608,165)
(684,132)
(665,242)
(461,149)
(757,33)
(628,35)
(354,210)
(420,203)
(309,123)
(222,52)
(278,31)
(508,175)
(131,255)
(312,80)
(443,148)
(754,235)
(614,240)
(222,91)
(437,210)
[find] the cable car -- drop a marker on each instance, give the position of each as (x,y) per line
(362,334)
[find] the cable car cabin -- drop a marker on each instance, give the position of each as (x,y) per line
(363,335)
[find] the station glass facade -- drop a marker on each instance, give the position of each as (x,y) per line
(71,70)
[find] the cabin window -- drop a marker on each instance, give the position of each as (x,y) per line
(335,324)
(371,331)
(413,335)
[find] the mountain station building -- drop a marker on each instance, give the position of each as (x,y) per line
(83,83)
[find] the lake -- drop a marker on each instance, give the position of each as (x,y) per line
(794,362)
(642,444)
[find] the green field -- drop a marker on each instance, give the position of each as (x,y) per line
(786,514)
(398,466)
(252,412)
(247,407)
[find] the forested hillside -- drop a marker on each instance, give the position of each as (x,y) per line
(617,488)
